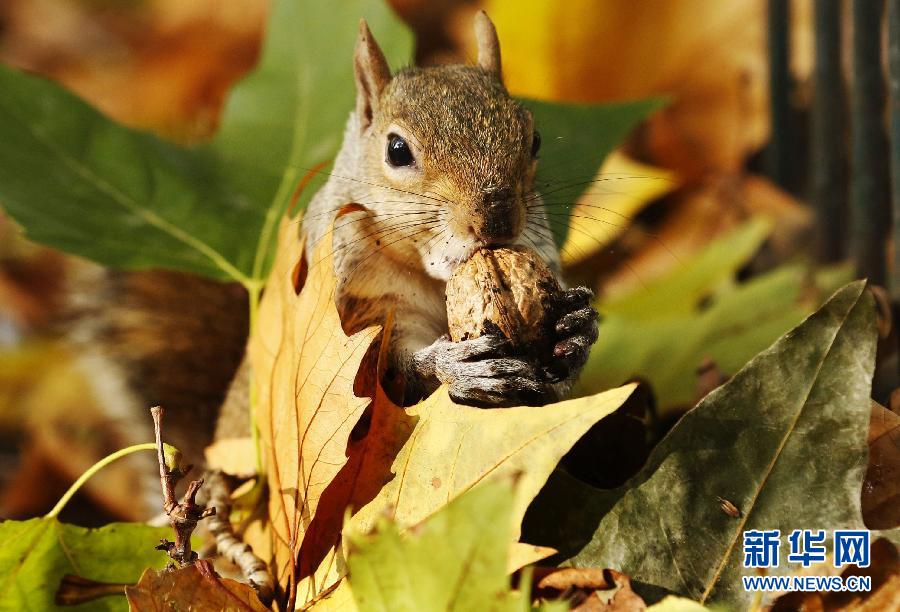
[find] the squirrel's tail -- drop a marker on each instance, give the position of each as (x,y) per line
(159,338)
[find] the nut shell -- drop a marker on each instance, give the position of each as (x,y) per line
(510,287)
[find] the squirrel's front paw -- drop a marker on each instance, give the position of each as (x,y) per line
(482,372)
(500,382)
(576,331)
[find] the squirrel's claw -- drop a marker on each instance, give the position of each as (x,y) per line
(576,330)
(583,319)
(577,297)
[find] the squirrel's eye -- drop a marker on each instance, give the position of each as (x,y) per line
(535,144)
(398,152)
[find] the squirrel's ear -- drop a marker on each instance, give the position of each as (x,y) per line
(488,44)
(372,74)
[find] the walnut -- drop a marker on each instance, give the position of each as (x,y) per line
(510,287)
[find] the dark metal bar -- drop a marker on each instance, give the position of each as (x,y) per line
(870,208)
(781,148)
(894,81)
(829,126)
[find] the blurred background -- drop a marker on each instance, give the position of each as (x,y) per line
(718,225)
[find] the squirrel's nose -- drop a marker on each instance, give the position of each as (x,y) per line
(499,217)
(497,195)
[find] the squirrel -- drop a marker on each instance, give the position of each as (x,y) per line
(438,162)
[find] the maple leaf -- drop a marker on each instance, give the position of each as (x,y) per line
(328,449)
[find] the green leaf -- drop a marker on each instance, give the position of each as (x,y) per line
(663,331)
(576,138)
(681,291)
(784,441)
(80,182)
(455,560)
(77,181)
(288,116)
(37,553)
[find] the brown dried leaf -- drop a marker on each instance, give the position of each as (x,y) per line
(588,589)
(884,570)
(881,486)
(160,64)
(195,587)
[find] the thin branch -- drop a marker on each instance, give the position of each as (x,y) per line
(184,516)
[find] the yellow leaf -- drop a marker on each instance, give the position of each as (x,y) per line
(451,448)
(623,188)
(234,456)
(521,554)
(327,449)
(671,603)
(303,372)
(708,57)
(338,599)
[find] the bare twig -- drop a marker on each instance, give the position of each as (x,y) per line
(184,516)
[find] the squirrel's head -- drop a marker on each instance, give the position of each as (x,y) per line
(447,140)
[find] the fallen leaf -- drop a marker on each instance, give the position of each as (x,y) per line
(885,598)
(233,456)
(454,560)
(663,331)
(452,447)
(323,454)
(338,598)
(881,487)
(37,553)
(884,572)
(710,60)
(158,64)
(695,218)
(690,281)
(622,188)
(195,587)
(671,603)
(588,589)
(750,442)
(521,554)
(304,368)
